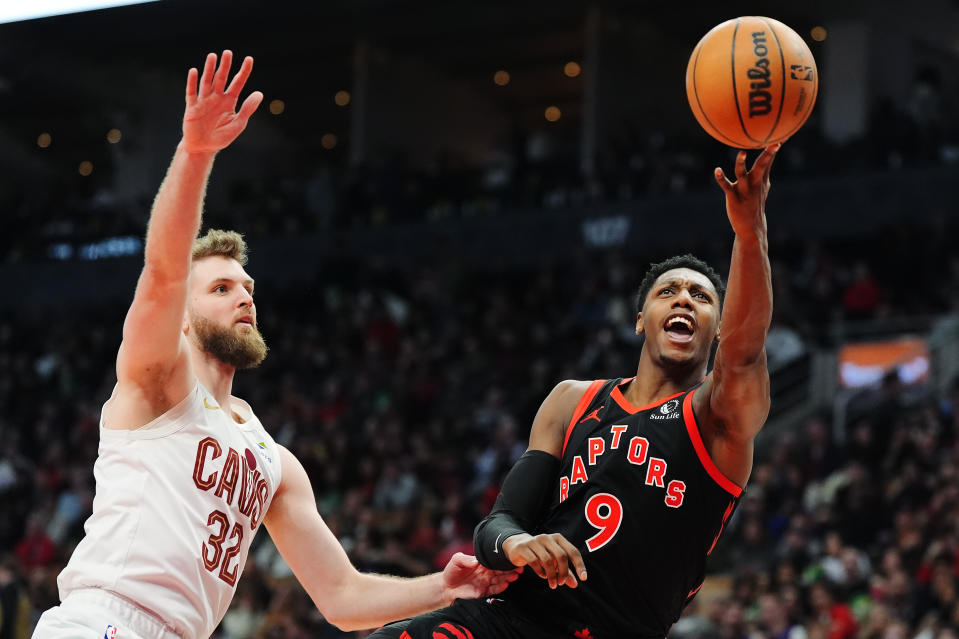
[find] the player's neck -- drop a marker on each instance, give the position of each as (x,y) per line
(655,381)
(216,376)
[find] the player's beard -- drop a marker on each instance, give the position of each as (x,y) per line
(239,350)
(687,364)
(678,365)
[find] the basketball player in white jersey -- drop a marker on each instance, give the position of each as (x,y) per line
(186,473)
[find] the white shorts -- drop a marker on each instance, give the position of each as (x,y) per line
(92,613)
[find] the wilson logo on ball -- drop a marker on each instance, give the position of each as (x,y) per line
(760,99)
(751,82)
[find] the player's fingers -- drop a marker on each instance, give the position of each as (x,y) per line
(575,557)
(721,180)
(504,578)
(560,556)
(191,78)
(740,165)
(764,159)
(207,78)
(236,85)
(558,562)
(547,562)
(526,557)
(501,581)
(537,568)
(249,105)
(759,172)
(223,72)
(771,152)
(518,558)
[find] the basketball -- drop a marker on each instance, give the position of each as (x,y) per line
(751,82)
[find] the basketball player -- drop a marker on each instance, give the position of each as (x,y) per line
(186,473)
(627,483)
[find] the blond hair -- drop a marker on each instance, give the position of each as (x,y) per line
(219,242)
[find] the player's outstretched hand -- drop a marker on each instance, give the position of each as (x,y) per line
(549,555)
(210,122)
(465,578)
(746,197)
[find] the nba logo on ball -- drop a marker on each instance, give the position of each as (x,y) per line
(111,632)
(751,82)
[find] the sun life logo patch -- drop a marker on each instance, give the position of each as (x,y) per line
(667,411)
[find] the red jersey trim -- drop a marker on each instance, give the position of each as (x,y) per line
(620,399)
(693,429)
(581,408)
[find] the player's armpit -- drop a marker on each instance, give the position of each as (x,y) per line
(736,400)
(729,412)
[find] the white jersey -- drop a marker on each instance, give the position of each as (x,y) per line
(177,504)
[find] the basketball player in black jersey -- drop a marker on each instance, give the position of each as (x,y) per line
(628,483)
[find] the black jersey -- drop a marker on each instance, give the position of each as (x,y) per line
(640,498)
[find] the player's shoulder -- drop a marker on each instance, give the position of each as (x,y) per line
(567,395)
(574,386)
(553,418)
(569,392)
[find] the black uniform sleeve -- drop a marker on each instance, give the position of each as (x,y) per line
(520,507)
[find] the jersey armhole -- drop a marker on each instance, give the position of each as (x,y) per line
(581,408)
(694,436)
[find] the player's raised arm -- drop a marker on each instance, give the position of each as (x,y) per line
(152,364)
(735,399)
(347,598)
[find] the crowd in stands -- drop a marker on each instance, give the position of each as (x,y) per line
(306,190)
(408,392)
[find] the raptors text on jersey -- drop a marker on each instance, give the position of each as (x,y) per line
(640,498)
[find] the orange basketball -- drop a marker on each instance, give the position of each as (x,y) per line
(751,82)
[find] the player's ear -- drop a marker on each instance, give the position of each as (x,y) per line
(639,323)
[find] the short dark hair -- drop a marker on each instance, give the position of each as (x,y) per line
(689,261)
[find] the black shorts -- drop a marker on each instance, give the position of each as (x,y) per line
(477,619)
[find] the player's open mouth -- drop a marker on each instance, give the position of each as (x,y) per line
(679,329)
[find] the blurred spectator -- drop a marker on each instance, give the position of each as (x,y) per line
(861,297)
(36,549)
(405,390)
(835,616)
(774,621)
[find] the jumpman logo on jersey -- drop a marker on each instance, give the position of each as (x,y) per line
(593,415)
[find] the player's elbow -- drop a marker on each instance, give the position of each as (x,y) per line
(349,617)
(337,613)
(345,624)
(336,599)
